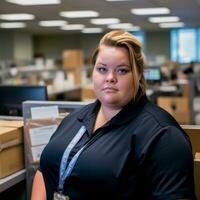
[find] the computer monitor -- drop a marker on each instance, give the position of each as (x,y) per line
(152,74)
(12,97)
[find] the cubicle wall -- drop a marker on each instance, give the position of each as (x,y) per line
(194,134)
(195,98)
(40,121)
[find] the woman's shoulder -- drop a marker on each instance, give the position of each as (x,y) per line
(159,115)
(156,124)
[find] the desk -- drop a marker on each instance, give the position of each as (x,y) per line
(12,180)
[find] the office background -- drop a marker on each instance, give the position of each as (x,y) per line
(21,48)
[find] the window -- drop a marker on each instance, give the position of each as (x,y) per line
(198,45)
(185,45)
(140,36)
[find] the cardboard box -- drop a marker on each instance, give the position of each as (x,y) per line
(11,147)
(12,123)
(87,93)
(197,177)
(193,131)
(37,135)
(178,107)
(197,155)
(73,60)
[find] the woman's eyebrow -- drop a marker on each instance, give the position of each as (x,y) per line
(100,63)
(120,65)
(124,65)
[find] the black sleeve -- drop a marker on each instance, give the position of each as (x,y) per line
(168,168)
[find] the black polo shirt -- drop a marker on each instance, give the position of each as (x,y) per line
(141,153)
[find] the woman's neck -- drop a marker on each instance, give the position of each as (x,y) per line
(104,115)
(108,112)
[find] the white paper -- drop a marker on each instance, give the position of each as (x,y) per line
(41,135)
(36,152)
(44,112)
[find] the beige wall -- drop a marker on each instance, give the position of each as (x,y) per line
(23,47)
(6,45)
(52,46)
(17,45)
(158,43)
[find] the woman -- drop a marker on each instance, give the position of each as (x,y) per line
(122,146)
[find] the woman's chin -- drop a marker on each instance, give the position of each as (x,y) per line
(110,101)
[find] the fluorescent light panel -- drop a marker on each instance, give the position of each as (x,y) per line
(11,25)
(163,19)
(171,25)
(34,2)
(124,26)
(92,30)
(134,28)
(73,27)
(119,0)
(120,26)
(17,16)
(79,14)
(150,11)
(104,21)
(52,23)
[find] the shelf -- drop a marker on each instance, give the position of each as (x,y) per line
(54,91)
(12,180)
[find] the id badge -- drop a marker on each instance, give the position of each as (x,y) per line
(59,196)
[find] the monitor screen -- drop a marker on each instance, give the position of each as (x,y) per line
(12,97)
(152,74)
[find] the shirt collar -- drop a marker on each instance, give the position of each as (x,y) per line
(128,112)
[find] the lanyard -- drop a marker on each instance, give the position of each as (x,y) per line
(65,171)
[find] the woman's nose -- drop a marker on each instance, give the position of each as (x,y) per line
(111,77)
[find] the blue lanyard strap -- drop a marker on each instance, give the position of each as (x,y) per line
(65,171)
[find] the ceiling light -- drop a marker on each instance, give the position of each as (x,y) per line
(79,14)
(73,27)
(163,19)
(125,26)
(150,11)
(134,28)
(121,26)
(119,0)
(19,16)
(50,23)
(171,25)
(92,30)
(13,25)
(104,21)
(33,2)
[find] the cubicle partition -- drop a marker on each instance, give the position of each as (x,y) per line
(193,132)
(41,118)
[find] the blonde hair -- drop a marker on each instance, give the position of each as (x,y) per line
(136,56)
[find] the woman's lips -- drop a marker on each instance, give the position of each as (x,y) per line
(110,89)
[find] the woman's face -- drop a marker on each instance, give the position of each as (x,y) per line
(112,77)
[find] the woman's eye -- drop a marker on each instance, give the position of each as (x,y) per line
(122,71)
(102,69)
